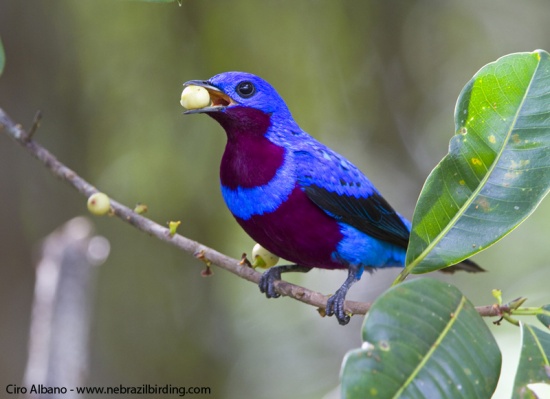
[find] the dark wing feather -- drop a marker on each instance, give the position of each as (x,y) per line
(372,215)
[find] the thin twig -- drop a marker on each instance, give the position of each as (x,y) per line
(237,267)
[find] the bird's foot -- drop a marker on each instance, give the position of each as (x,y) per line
(267,282)
(335,306)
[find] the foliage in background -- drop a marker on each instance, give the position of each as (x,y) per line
(2,57)
(375,83)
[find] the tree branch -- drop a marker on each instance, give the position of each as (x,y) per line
(209,255)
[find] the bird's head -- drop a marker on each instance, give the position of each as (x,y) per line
(238,100)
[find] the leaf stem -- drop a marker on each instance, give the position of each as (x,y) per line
(237,267)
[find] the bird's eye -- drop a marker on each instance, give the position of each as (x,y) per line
(245,89)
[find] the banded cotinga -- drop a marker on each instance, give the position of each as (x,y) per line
(296,197)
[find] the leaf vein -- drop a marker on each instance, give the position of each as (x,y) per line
(433,348)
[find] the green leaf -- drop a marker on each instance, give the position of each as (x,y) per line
(534,366)
(544,318)
(2,57)
(422,339)
(497,170)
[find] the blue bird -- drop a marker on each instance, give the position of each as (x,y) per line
(295,196)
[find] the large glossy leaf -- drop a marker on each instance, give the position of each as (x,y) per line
(498,166)
(422,339)
(534,364)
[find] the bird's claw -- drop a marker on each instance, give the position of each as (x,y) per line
(267,283)
(335,306)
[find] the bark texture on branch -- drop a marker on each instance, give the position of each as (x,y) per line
(209,255)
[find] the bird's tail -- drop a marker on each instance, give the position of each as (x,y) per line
(466,265)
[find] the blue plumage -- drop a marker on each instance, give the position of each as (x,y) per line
(294,195)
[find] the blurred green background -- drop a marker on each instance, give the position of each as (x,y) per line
(376,81)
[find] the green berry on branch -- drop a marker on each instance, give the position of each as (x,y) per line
(262,258)
(99,204)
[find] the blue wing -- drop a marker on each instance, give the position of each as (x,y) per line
(343,192)
(371,215)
